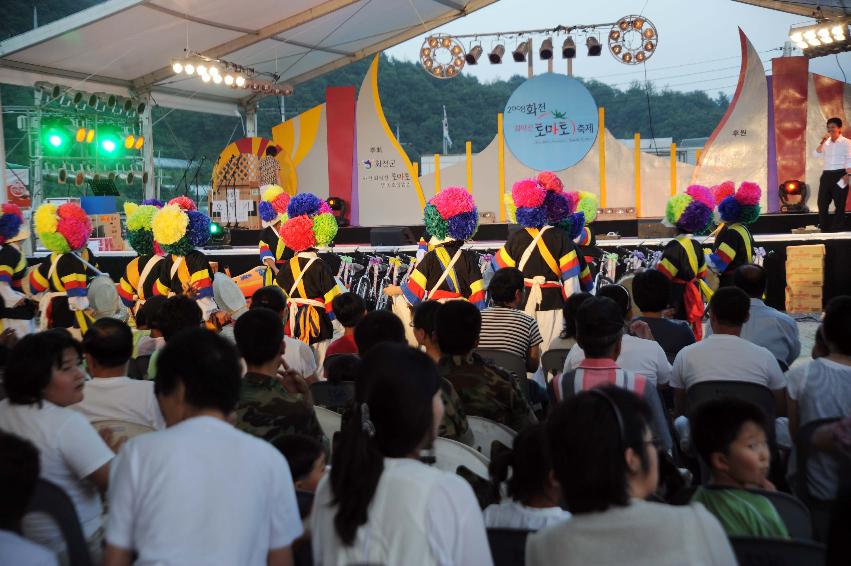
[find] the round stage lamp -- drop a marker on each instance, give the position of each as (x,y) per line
(177,67)
(108,145)
(55,139)
(228,80)
(633,40)
(140,141)
(129,141)
(239,81)
(189,68)
(793,197)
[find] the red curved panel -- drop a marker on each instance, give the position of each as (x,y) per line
(789,86)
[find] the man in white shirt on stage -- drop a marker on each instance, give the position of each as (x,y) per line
(836,150)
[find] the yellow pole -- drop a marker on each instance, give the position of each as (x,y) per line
(416,166)
(637,154)
(500,145)
(436,173)
(673,169)
(601,140)
(698,154)
(469,148)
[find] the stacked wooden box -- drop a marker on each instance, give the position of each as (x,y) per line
(804,278)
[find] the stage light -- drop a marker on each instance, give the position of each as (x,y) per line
(632,40)
(177,67)
(55,140)
(213,70)
(201,69)
(793,197)
(796,37)
(129,141)
(90,136)
(545,52)
(568,48)
(473,55)
(217,79)
(205,77)
(496,54)
(189,68)
(55,137)
(140,141)
(108,145)
(80,135)
(443,60)
(215,228)
(228,80)
(239,81)
(594,46)
(338,209)
(519,53)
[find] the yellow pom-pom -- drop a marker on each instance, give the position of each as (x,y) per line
(169,224)
(130,208)
(510,208)
(46,219)
(272,192)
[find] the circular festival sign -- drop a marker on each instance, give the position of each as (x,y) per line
(550,122)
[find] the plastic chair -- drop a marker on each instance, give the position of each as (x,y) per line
(820,509)
(553,360)
(792,510)
(486,432)
(329,421)
(760,551)
(759,395)
(122,430)
(138,367)
(449,455)
(511,363)
(332,395)
(52,500)
(508,546)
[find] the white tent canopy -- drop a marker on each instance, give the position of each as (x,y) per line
(126,47)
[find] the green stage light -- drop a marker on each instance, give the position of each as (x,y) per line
(108,145)
(55,138)
(215,228)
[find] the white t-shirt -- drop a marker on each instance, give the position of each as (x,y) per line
(300,357)
(15,549)
(724,357)
(418,515)
(122,399)
(510,514)
(644,357)
(201,492)
(70,450)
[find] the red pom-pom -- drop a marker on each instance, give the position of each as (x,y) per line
(748,194)
(722,191)
(550,181)
(74,225)
(298,233)
(184,203)
(452,201)
(13,209)
(527,193)
(281,203)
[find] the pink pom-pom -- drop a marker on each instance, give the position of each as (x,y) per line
(13,209)
(701,194)
(748,194)
(452,201)
(572,200)
(722,191)
(74,225)
(550,181)
(183,202)
(324,207)
(528,194)
(281,203)
(298,233)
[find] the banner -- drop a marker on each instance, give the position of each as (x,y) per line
(17,192)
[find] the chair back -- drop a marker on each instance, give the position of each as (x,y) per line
(332,395)
(511,363)
(792,510)
(759,395)
(553,360)
(329,421)
(486,432)
(449,455)
(508,546)
(803,452)
(122,430)
(138,367)
(50,499)
(761,551)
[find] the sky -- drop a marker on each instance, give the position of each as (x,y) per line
(698,40)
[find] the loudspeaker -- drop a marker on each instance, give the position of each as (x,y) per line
(391,236)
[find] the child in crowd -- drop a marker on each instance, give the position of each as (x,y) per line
(729,435)
(349,309)
(534,497)
(308,464)
(567,338)
(147,337)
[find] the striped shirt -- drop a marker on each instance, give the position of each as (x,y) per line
(508,330)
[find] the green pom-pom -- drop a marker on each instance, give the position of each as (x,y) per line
(324,228)
(434,223)
(142,241)
(588,204)
(750,214)
(510,208)
(180,247)
(55,242)
(141,218)
(676,206)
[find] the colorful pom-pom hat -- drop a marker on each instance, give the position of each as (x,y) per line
(310,223)
(691,211)
(273,205)
(12,227)
(451,214)
(140,235)
(534,203)
(178,227)
(737,205)
(64,228)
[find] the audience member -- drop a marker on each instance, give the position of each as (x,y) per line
(201,491)
(272,402)
(19,471)
(299,356)
(147,336)
(600,331)
(637,355)
(724,355)
(379,504)
(306,458)
(567,339)
(534,497)
(43,378)
(425,315)
(767,327)
(730,437)
(349,309)
(377,327)
(651,291)
(505,326)
(821,389)
(605,473)
(110,394)
(485,390)
(231,301)
(177,313)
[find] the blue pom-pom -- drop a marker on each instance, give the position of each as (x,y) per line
(10,224)
(534,217)
(463,226)
(695,218)
(304,203)
(153,202)
(266,211)
(198,231)
(730,210)
(577,223)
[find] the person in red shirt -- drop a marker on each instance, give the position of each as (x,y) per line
(349,309)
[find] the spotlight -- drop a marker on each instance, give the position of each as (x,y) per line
(201,69)
(594,46)
(473,55)
(129,141)
(825,38)
(339,207)
(140,141)
(108,145)
(228,80)
(140,106)
(545,52)
(217,79)
(214,70)
(496,54)
(177,67)
(205,77)
(568,48)
(793,196)
(189,68)
(520,52)
(239,81)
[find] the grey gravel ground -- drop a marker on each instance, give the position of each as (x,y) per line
(807,326)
